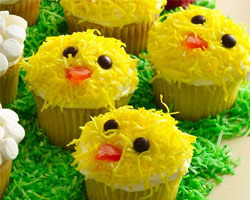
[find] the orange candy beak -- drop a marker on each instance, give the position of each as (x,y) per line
(194,42)
(109,153)
(77,74)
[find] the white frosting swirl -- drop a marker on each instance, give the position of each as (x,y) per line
(8,2)
(11,133)
(12,36)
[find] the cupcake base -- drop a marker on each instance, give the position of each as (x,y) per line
(8,85)
(62,126)
(133,35)
(5,170)
(100,191)
(194,102)
(27,9)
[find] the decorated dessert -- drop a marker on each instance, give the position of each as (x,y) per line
(173,4)
(200,58)
(74,77)
(28,9)
(130,154)
(11,134)
(12,36)
(126,20)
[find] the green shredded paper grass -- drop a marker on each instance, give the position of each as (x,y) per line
(43,171)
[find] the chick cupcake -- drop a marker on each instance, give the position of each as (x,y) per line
(12,36)
(11,133)
(78,76)
(130,154)
(28,9)
(200,58)
(126,20)
(172,4)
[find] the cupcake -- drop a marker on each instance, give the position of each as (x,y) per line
(12,36)
(172,4)
(200,59)
(126,20)
(11,133)
(130,154)
(28,9)
(74,77)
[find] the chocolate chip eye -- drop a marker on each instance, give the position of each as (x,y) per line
(141,144)
(110,124)
(228,40)
(198,19)
(105,62)
(70,50)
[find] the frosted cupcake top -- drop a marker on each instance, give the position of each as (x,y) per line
(8,2)
(133,149)
(12,36)
(114,13)
(11,133)
(199,46)
(82,70)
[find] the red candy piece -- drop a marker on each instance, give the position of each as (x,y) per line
(172,4)
(77,74)
(194,42)
(107,152)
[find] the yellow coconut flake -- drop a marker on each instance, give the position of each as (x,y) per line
(113,13)
(47,77)
(215,65)
(170,150)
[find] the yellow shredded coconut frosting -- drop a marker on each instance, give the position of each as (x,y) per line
(169,154)
(113,13)
(47,77)
(216,65)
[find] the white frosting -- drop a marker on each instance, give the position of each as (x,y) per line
(12,36)
(154,181)
(202,83)
(11,133)
(8,2)
(237,76)
(124,91)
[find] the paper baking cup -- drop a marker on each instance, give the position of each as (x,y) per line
(100,191)
(62,126)
(133,35)
(27,9)
(194,102)
(5,170)
(8,85)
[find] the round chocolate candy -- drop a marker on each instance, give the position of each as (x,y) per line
(141,144)
(110,124)
(70,50)
(228,40)
(105,62)
(198,19)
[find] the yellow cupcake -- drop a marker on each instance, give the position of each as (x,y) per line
(200,59)
(130,154)
(128,20)
(81,74)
